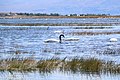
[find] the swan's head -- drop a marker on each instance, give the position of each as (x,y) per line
(61,38)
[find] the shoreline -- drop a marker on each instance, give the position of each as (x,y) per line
(39,17)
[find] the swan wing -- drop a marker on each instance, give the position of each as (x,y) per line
(51,40)
(113,40)
(71,39)
(58,32)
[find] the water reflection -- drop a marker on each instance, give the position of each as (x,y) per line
(55,76)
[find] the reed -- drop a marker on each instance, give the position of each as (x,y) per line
(93,33)
(74,65)
(59,24)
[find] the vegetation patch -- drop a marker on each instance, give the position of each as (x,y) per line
(74,65)
(58,24)
(93,33)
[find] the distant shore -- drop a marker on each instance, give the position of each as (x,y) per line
(37,17)
(56,24)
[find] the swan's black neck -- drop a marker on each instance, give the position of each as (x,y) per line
(61,38)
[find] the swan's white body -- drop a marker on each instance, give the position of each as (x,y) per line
(55,40)
(59,32)
(113,40)
(51,41)
(60,39)
(71,39)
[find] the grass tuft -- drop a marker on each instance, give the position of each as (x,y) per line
(74,65)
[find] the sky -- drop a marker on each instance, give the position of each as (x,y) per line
(62,6)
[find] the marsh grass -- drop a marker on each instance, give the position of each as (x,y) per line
(92,27)
(17,65)
(58,24)
(74,65)
(93,33)
(48,65)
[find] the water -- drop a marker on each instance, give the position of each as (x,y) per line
(62,20)
(28,41)
(56,76)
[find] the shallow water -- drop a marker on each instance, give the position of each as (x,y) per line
(24,42)
(29,41)
(62,20)
(55,76)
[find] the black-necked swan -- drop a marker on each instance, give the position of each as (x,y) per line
(71,39)
(113,40)
(59,32)
(55,40)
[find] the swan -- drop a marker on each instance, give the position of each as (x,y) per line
(59,32)
(55,40)
(113,40)
(71,39)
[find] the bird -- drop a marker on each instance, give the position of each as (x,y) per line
(113,39)
(71,39)
(55,40)
(59,32)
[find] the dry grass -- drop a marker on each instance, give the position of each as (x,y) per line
(17,65)
(91,65)
(94,33)
(58,24)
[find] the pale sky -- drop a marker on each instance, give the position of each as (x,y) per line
(62,6)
